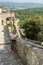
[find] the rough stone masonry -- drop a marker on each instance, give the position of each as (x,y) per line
(30,54)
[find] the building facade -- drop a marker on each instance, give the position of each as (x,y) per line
(5,15)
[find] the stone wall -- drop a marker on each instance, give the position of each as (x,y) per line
(30,53)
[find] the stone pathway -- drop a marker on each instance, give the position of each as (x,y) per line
(7,58)
(4,37)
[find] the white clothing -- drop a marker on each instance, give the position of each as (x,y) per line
(13,36)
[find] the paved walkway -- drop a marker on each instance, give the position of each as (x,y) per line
(7,58)
(4,38)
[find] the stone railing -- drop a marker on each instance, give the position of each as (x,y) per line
(30,53)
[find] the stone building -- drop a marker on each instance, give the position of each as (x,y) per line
(5,15)
(0,9)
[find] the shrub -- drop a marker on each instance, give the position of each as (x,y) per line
(40,36)
(31,30)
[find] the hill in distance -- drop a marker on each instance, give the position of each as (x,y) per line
(21,5)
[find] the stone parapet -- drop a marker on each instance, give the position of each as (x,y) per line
(30,53)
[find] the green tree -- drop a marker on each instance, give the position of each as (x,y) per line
(40,36)
(37,19)
(31,30)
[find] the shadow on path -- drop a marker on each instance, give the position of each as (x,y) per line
(6,35)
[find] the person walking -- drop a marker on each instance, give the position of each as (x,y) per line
(13,37)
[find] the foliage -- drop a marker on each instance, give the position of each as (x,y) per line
(13,28)
(28,13)
(32,21)
(10,22)
(21,23)
(11,25)
(40,36)
(31,30)
(37,19)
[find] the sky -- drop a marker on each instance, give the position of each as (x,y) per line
(34,1)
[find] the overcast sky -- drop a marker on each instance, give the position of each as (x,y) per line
(36,1)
